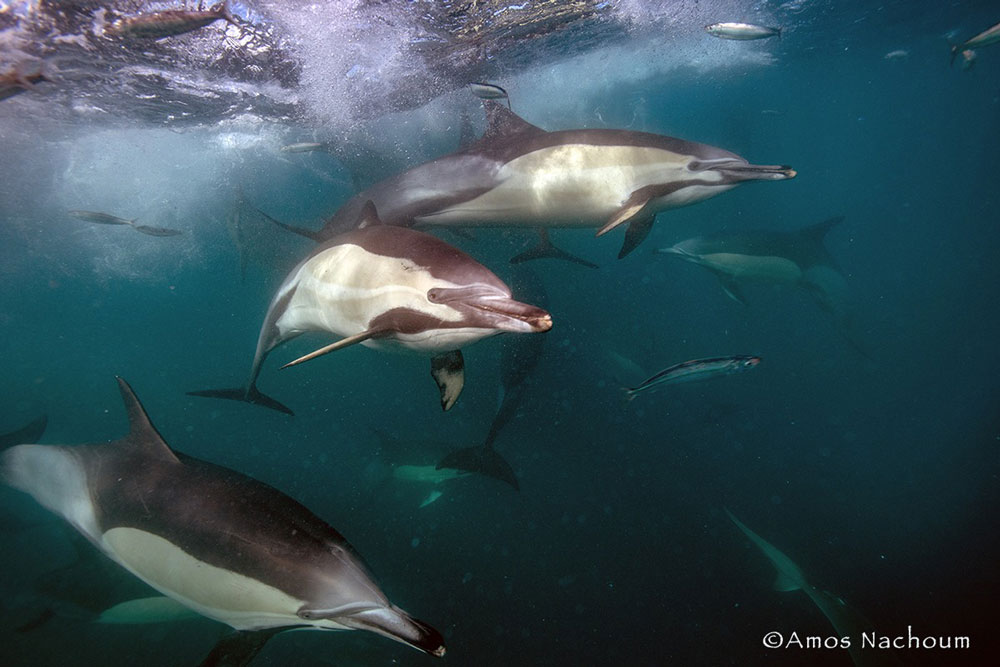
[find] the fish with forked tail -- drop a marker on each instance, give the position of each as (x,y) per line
(168,23)
(694,370)
(108,219)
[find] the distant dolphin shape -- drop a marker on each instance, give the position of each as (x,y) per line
(389,287)
(518,174)
(225,545)
(846,621)
(518,357)
(796,258)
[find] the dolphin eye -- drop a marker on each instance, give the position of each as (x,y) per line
(306,614)
(433,295)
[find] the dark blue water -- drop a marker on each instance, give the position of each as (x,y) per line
(877,474)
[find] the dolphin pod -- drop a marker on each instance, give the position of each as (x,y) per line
(518,174)
(388,287)
(219,543)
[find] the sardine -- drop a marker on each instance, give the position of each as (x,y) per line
(489,91)
(697,369)
(108,219)
(304,147)
(741,31)
(100,218)
(168,23)
(985,38)
(157,231)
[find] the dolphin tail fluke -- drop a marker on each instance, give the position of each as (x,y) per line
(301,231)
(239,648)
(545,249)
(394,623)
(251,395)
(26,435)
(483,460)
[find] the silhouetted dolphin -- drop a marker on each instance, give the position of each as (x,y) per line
(846,621)
(518,358)
(225,545)
(385,286)
(793,258)
(520,175)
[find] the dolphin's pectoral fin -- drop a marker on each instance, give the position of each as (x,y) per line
(732,288)
(340,344)
(631,208)
(239,648)
(636,233)
(157,609)
(784,583)
(483,460)
(545,249)
(431,497)
(251,395)
(448,370)
(26,435)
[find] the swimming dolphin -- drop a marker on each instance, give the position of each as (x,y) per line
(225,545)
(390,287)
(791,258)
(518,174)
(846,620)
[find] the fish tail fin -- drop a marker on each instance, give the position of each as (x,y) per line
(484,460)
(628,395)
(301,231)
(545,249)
(246,394)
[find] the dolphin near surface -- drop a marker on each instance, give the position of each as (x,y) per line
(797,258)
(395,288)
(220,543)
(518,174)
(847,621)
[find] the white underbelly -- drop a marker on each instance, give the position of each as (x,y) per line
(229,597)
(752,267)
(575,185)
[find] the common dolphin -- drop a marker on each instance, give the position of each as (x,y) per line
(846,621)
(227,546)
(518,174)
(793,258)
(390,287)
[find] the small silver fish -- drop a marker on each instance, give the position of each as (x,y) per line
(489,91)
(985,38)
(108,219)
(741,31)
(168,23)
(304,147)
(100,218)
(696,369)
(898,54)
(157,231)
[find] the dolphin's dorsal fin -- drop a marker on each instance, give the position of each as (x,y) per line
(368,216)
(821,229)
(502,122)
(141,432)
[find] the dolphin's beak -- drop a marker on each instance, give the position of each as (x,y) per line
(492,308)
(736,173)
(394,623)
